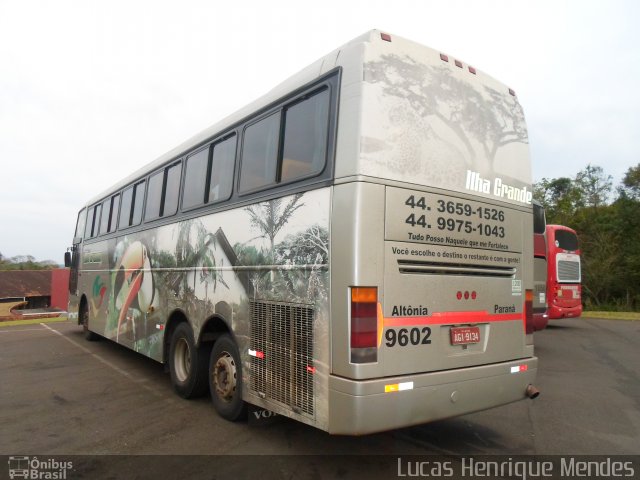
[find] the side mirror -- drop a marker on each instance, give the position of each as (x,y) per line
(67,259)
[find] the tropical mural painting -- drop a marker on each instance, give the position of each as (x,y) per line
(215,264)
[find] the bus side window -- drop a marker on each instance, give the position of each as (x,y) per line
(104,222)
(195,177)
(132,200)
(89,224)
(138,200)
(125,210)
(171,190)
(82,220)
(260,153)
(113,215)
(92,226)
(96,221)
(305,137)
(224,154)
(162,197)
(154,196)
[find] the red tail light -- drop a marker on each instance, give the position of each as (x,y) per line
(528,311)
(364,324)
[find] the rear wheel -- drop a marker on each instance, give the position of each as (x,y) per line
(225,379)
(84,317)
(188,363)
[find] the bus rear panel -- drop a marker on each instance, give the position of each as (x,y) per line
(438,289)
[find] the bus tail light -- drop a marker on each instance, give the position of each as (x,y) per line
(364,324)
(528,311)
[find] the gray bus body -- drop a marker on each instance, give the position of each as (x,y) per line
(368,248)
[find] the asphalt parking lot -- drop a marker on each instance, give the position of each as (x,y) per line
(62,395)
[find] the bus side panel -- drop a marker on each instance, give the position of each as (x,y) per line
(263,269)
(92,281)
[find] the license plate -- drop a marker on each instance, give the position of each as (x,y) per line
(465,335)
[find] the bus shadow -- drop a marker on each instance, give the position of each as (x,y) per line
(444,437)
(124,358)
(452,437)
(560,327)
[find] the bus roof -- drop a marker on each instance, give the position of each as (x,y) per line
(298,80)
(349,56)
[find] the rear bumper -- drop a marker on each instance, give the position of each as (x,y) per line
(556,312)
(359,407)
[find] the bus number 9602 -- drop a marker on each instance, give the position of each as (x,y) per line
(405,336)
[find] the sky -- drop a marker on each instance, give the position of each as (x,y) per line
(91,91)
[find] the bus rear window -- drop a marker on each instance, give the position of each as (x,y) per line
(566,240)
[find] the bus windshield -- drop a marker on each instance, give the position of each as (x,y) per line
(566,240)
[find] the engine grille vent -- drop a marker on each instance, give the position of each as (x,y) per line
(283,333)
(444,268)
(568,271)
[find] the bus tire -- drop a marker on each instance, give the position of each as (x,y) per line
(84,316)
(225,379)
(187,363)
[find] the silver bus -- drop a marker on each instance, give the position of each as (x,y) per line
(353,250)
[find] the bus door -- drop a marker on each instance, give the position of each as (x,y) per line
(72,258)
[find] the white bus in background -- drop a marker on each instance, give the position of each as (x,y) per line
(353,250)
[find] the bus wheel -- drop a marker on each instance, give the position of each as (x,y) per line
(84,317)
(187,363)
(225,379)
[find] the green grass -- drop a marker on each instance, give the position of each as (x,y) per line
(612,315)
(33,321)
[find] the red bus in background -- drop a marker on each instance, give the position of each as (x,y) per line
(564,292)
(540,315)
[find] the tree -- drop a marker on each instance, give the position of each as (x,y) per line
(25,262)
(627,214)
(607,232)
(631,182)
(560,198)
(594,185)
